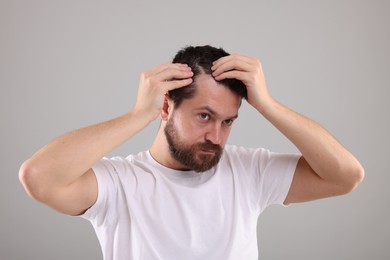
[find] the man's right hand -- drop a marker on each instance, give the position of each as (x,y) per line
(155,83)
(60,174)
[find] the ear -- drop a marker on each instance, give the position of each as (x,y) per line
(167,108)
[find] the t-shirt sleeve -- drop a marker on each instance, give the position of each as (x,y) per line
(275,178)
(106,172)
(268,174)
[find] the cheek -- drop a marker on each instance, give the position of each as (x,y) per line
(195,132)
(189,129)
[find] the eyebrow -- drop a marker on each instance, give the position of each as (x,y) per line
(212,112)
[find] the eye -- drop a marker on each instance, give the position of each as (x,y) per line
(204,116)
(228,122)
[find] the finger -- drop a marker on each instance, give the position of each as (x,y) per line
(174,84)
(174,73)
(238,57)
(231,64)
(233,74)
(169,65)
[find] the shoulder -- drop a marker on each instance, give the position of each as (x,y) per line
(260,158)
(245,159)
(119,165)
(234,151)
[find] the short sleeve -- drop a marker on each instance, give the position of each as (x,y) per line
(266,176)
(106,172)
(276,171)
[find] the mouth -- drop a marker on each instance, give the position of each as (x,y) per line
(208,151)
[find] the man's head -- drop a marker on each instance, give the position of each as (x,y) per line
(197,130)
(200,59)
(199,116)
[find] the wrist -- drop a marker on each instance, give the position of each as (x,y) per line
(141,116)
(266,105)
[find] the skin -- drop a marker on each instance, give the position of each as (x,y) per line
(200,119)
(326,168)
(60,176)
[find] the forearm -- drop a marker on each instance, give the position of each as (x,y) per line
(67,157)
(325,155)
(327,168)
(60,174)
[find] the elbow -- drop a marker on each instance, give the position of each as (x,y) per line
(360,174)
(31,181)
(354,178)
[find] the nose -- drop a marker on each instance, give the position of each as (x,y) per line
(214,134)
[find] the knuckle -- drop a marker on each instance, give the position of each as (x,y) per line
(153,81)
(252,77)
(235,57)
(177,84)
(145,75)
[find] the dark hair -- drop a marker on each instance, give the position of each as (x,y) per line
(200,59)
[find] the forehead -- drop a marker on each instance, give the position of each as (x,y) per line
(211,94)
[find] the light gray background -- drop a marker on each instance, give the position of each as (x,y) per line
(68,64)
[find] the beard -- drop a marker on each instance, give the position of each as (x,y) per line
(192,156)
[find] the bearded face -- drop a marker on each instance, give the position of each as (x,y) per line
(198,157)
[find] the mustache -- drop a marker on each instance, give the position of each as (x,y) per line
(209,146)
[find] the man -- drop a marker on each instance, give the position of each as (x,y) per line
(189,196)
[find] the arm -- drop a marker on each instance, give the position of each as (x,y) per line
(60,175)
(326,168)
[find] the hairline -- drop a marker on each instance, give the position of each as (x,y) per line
(193,85)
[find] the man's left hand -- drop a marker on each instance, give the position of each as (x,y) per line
(249,71)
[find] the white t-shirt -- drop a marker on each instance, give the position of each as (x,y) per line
(147,211)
